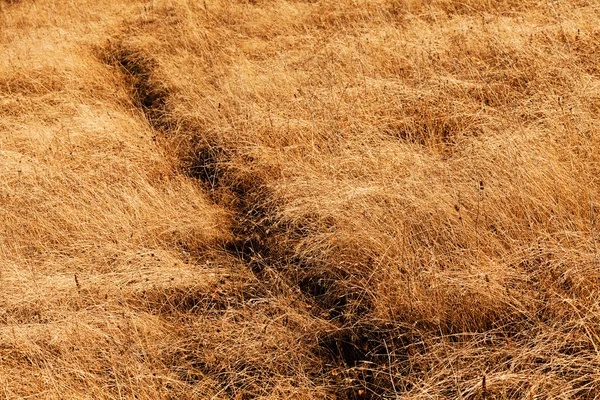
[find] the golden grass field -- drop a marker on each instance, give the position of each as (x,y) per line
(309,199)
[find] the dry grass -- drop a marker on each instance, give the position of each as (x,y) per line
(290,199)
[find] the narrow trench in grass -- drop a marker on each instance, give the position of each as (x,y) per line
(359,350)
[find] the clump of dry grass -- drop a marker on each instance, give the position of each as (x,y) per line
(299,199)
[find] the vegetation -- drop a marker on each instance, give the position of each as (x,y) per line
(299,199)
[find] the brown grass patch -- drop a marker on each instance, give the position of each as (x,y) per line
(288,199)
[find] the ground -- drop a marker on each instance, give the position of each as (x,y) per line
(299,199)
